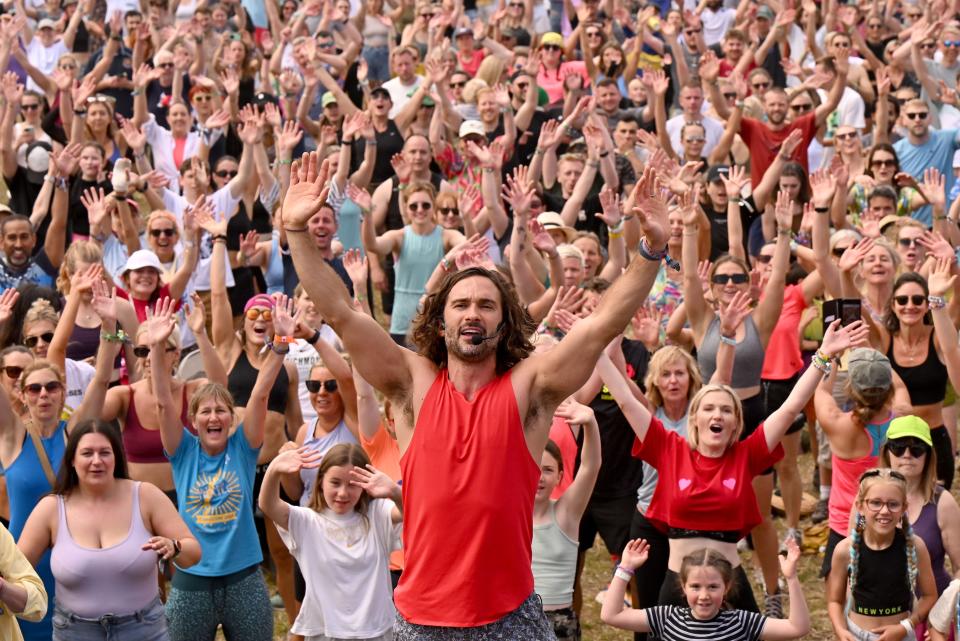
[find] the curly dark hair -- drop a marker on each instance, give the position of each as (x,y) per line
(515,328)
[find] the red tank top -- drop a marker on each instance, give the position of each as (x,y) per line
(145,446)
(468,488)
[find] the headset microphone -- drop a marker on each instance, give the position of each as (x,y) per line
(477,340)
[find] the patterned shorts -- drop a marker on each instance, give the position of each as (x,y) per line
(565,624)
(528,622)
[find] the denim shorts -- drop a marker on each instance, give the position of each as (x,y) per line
(148,624)
(528,622)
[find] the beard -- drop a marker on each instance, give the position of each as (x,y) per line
(468,353)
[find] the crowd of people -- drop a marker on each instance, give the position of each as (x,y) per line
(405,305)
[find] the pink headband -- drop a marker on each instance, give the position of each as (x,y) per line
(260,300)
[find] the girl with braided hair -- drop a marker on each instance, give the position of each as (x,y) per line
(881,584)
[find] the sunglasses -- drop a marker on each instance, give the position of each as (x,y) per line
(202,97)
(31,341)
(253,314)
(31,107)
(457,85)
(696,139)
(326,44)
(838,251)
(916,299)
(691,32)
(899,447)
(850,135)
(157,233)
(12,371)
(883,162)
(951,43)
(449,211)
(917,115)
(424,206)
(907,242)
(764,258)
(731,95)
(593,34)
(519,5)
(314,386)
(928,45)
(875,26)
(165,65)
(35,388)
(723,279)
(550,47)
(806,106)
(760,85)
(225,173)
(142,351)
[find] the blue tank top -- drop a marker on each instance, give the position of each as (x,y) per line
(878,435)
(273,275)
(339,434)
(419,256)
(26,485)
(348,225)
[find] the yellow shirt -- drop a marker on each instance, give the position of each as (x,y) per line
(16,570)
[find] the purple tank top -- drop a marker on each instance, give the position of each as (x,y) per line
(927,528)
(119,580)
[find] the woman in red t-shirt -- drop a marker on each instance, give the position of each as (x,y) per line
(704,495)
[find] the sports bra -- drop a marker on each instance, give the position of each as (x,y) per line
(723,536)
(243,377)
(926,382)
(882,584)
(144,445)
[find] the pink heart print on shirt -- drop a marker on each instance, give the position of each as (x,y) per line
(684,483)
(729,483)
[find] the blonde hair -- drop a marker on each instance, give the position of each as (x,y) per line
(217,392)
(472,88)
(39,365)
(85,251)
(163,214)
(491,70)
(41,310)
(570,251)
(658,363)
(693,437)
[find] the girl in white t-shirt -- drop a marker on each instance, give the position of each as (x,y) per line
(342,541)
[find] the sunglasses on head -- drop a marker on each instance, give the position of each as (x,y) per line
(254,313)
(314,386)
(424,206)
(35,388)
(225,173)
(916,299)
(883,162)
(917,115)
(12,371)
(31,341)
(157,233)
(142,351)
(880,472)
(898,447)
(723,279)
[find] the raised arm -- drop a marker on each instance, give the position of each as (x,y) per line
(285,464)
(842,61)
(941,282)
(255,414)
(573,503)
(768,310)
(824,187)
(156,330)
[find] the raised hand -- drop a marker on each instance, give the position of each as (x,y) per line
(646,324)
(401,167)
(936,245)
(733,313)
(292,460)
(360,196)
(8,299)
(635,554)
(203,211)
(353,125)
(788,563)
(357,266)
(736,181)
(290,137)
(823,186)
(518,194)
(285,318)
(933,188)
(651,211)
(218,119)
(542,240)
(941,280)
(95,203)
(855,254)
(574,413)
(160,322)
(374,482)
(248,244)
(610,204)
(550,135)
(784,211)
(272,116)
(838,338)
(83,90)
(307,192)
(469,201)
(104,303)
(196,315)
(134,136)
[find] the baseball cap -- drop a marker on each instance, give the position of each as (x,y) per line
(38,161)
(472,128)
(714,173)
(46,23)
(262,98)
(140,259)
(766,13)
(552,220)
(427,100)
(463,31)
(381,91)
(520,36)
(551,38)
(909,426)
(869,369)
(328,99)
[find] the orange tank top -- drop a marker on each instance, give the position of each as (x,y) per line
(468,488)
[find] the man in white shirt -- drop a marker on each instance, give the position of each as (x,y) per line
(45,47)
(716,20)
(403,61)
(691,102)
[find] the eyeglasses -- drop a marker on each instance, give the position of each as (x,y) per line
(449,211)
(916,299)
(12,371)
(550,47)
(253,314)
(900,447)
(35,388)
(764,258)
(225,173)
(917,115)
(850,135)
(457,85)
(907,242)
(314,386)
(31,341)
(142,351)
(424,206)
(875,505)
(883,162)
(802,107)
(723,279)
(760,85)
(30,107)
(157,233)
(838,251)
(165,65)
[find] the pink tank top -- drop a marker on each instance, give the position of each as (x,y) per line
(468,488)
(118,580)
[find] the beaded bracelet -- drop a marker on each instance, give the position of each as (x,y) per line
(937,302)
(120,337)
(821,362)
(644,250)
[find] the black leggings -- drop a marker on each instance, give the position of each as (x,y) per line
(741,597)
(944,449)
(649,576)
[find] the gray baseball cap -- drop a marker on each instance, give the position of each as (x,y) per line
(869,369)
